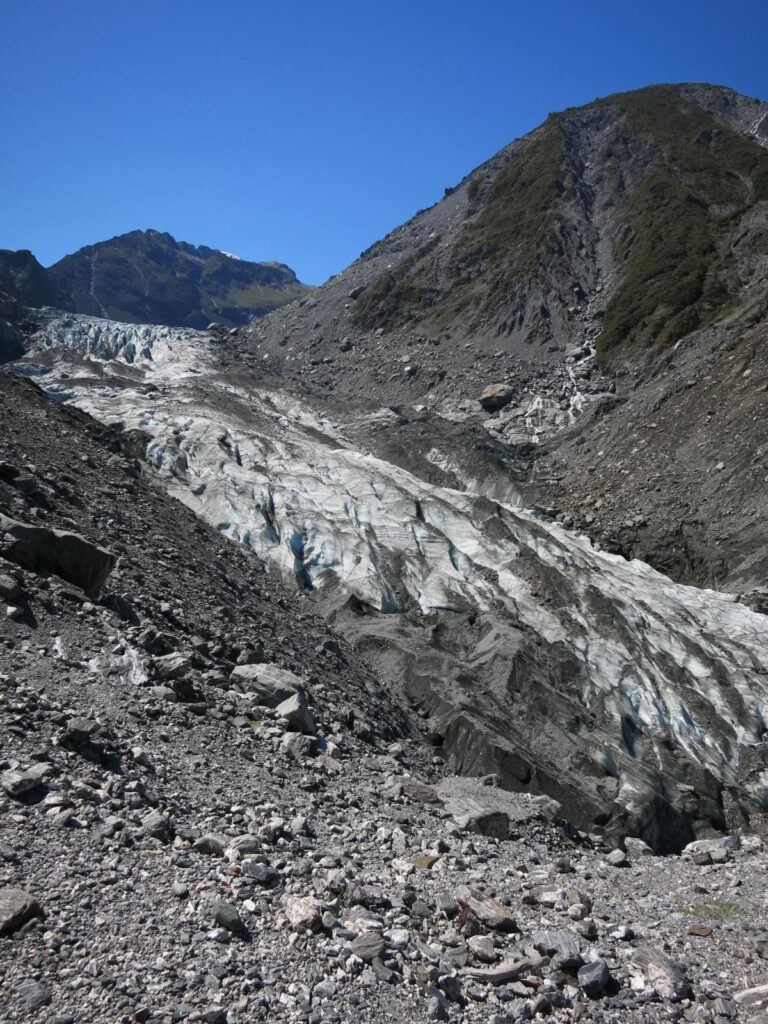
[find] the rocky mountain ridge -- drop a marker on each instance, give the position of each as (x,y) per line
(149,277)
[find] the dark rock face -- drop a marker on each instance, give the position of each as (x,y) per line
(22,277)
(65,554)
(11,337)
(149,277)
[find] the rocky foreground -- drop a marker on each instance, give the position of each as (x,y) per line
(212,810)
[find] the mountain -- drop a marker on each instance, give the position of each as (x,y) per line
(26,280)
(149,277)
(607,273)
(354,656)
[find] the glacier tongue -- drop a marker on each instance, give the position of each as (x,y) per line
(655,694)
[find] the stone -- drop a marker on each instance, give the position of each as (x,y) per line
(489,911)
(18,783)
(661,973)
(16,908)
(702,931)
(300,746)
(711,846)
(593,978)
(164,693)
(637,848)
(496,396)
(67,555)
(546,806)
(618,859)
(226,916)
(484,818)
(267,684)
(368,945)
(561,946)
(509,970)
(754,998)
(156,826)
(297,715)
(483,948)
(79,731)
(33,995)
(303,912)
(245,844)
(417,792)
(172,666)
(9,588)
(262,874)
(213,843)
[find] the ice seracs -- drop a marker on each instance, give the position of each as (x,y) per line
(657,665)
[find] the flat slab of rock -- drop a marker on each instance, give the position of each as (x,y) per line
(661,973)
(755,998)
(16,908)
(509,970)
(18,783)
(489,911)
(484,818)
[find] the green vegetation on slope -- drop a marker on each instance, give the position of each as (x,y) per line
(492,253)
(405,292)
(515,226)
(677,272)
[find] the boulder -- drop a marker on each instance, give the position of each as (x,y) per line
(16,908)
(67,555)
(496,396)
(268,685)
(18,783)
(303,912)
(481,817)
(297,715)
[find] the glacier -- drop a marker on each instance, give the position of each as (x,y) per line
(654,692)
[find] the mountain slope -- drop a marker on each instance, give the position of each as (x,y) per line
(612,262)
(674,186)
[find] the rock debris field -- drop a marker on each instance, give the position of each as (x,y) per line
(211,810)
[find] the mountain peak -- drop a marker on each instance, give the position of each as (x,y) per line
(147,276)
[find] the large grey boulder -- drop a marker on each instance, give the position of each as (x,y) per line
(268,685)
(297,716)
(16,908)
(67,555)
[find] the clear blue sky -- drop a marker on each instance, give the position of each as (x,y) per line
(303,131)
